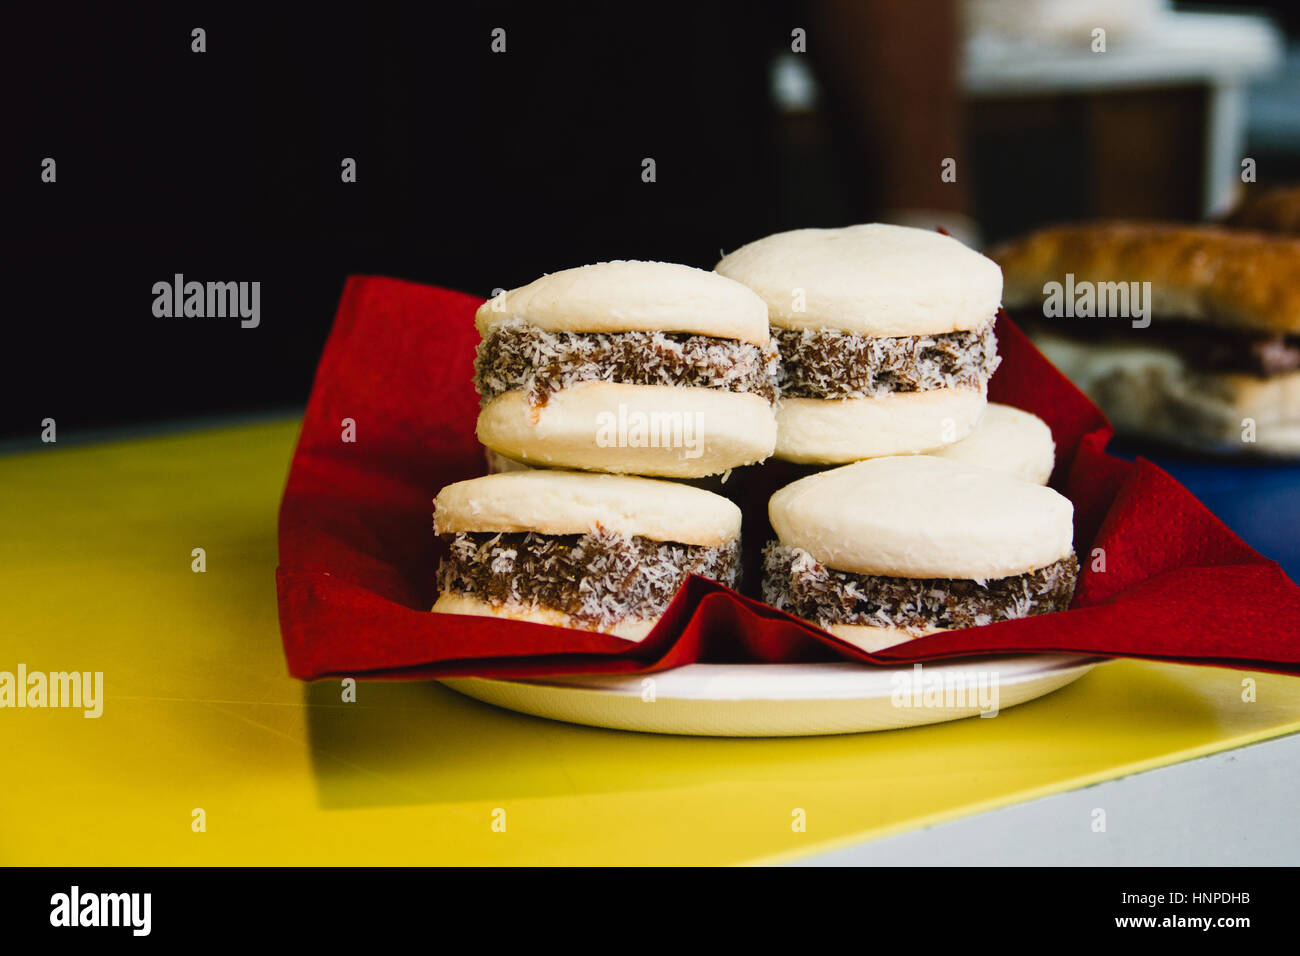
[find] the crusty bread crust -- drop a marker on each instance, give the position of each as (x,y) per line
(1277,210)
(1239,280)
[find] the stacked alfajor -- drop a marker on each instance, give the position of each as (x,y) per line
(885,336)
(590,379)
(868,347)
(643,368)
(938,517)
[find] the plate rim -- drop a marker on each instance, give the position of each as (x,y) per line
(831,670)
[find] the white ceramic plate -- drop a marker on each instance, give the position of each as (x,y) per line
(784,700)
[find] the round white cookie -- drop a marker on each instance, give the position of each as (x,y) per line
(819,431)
(630,296)
(630,628)
(569,502)
(923,517)
(664,430)
(1009,441)
(872,280)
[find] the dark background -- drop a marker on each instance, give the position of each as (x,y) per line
(475,171)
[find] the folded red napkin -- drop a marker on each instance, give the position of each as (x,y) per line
(1161,577)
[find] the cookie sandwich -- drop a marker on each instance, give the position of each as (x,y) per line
(646,368)
(889,549)
(885,336)
(572,549)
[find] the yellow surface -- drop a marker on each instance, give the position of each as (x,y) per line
(95,574)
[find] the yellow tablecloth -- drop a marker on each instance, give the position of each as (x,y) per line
(95,568)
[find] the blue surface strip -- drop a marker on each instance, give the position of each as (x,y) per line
(1259,500)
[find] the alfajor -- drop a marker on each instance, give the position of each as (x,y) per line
(885,335)
(573,549)
(1010,441)
(647,368)
(889,549)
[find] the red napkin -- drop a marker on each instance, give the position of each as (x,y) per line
(357,551)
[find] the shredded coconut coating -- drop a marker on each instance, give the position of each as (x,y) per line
(793,581)
(540,362)
(599,578)
(828,363)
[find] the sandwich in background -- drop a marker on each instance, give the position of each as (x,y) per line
(1204,349)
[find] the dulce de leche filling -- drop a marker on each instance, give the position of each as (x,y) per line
(829,363)
(541,362)
(599,578)
(793,581)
